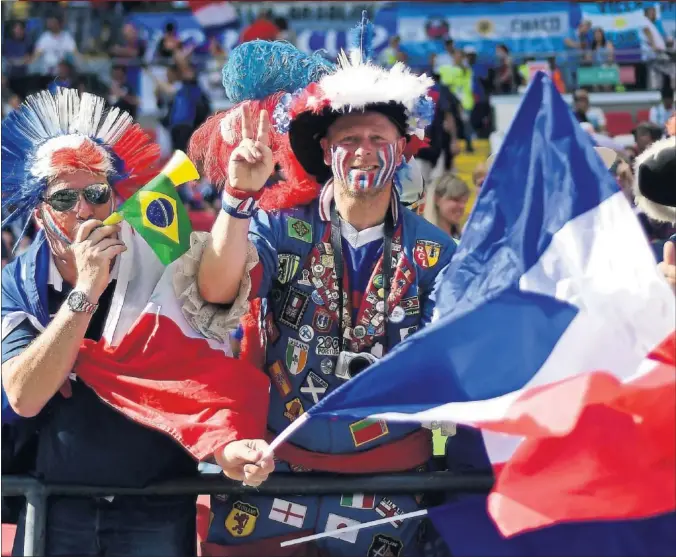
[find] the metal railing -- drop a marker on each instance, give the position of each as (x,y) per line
(37,493)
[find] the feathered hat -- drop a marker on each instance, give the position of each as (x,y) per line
(257,75)
(52,134)
(655,180)
(357,84)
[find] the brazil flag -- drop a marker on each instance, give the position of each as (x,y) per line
(157,213)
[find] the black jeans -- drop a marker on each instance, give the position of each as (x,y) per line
(126,526)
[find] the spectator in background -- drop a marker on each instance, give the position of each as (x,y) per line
(603,51)
(645,134)
(479,175)
(481,116)
(393,53)
(442,133)
(65,77)
(577,45)
(557,75)
(10,100)
(458,78)
(165,90)
(660,114)
(584,113)
(285,33)
(211,79)
(263,28)
(504,80)
(444,59)
(129,53)
(17,50)
(169,43)
(122,95)
(602,54)
(445,203)
(656,43)
(189,109)
(54,45)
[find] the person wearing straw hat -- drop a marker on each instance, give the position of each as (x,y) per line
(345,278)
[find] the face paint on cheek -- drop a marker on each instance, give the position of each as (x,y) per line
(53,229)
(361,181)
(388,164)
(339,164)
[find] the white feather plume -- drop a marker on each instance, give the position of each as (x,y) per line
(653,210)
(355,84)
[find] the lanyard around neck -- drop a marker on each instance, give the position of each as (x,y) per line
(339,266)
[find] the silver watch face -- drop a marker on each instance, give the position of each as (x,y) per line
(77,301)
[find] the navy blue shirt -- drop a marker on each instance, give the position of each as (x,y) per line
(83,440)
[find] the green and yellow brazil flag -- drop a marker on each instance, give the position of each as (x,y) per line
(157,213)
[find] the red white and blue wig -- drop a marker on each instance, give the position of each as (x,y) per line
(54,134)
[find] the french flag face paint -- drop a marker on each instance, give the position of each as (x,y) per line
(53,228)
(362,180)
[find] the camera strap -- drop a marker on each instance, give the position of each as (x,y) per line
(339,265)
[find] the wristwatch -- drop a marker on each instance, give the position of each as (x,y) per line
(78,302)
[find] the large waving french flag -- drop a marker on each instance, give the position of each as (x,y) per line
(553,335)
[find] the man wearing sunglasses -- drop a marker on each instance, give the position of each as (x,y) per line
(74,283)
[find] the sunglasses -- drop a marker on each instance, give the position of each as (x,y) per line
(64,200)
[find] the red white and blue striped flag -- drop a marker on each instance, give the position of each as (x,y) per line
(553,335)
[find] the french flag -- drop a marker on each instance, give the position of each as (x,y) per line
(553,339)
(214,16)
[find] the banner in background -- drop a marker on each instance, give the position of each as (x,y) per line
(524,27)
(529,27)
(521,26)
(625,25)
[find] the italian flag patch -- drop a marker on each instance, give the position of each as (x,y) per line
(358,501)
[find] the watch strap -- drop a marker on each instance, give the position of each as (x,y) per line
(78,302)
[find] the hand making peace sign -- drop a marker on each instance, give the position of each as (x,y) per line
(251,163)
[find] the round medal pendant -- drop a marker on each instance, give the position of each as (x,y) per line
(318,270)
(378,281)
(326,365)
(397,315)
(380,306)
(359,331)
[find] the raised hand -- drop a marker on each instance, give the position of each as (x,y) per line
(251,164)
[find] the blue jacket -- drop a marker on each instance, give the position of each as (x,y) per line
(301,321)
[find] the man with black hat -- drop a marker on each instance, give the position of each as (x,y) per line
(346,277)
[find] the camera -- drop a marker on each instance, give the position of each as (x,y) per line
(350,364)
